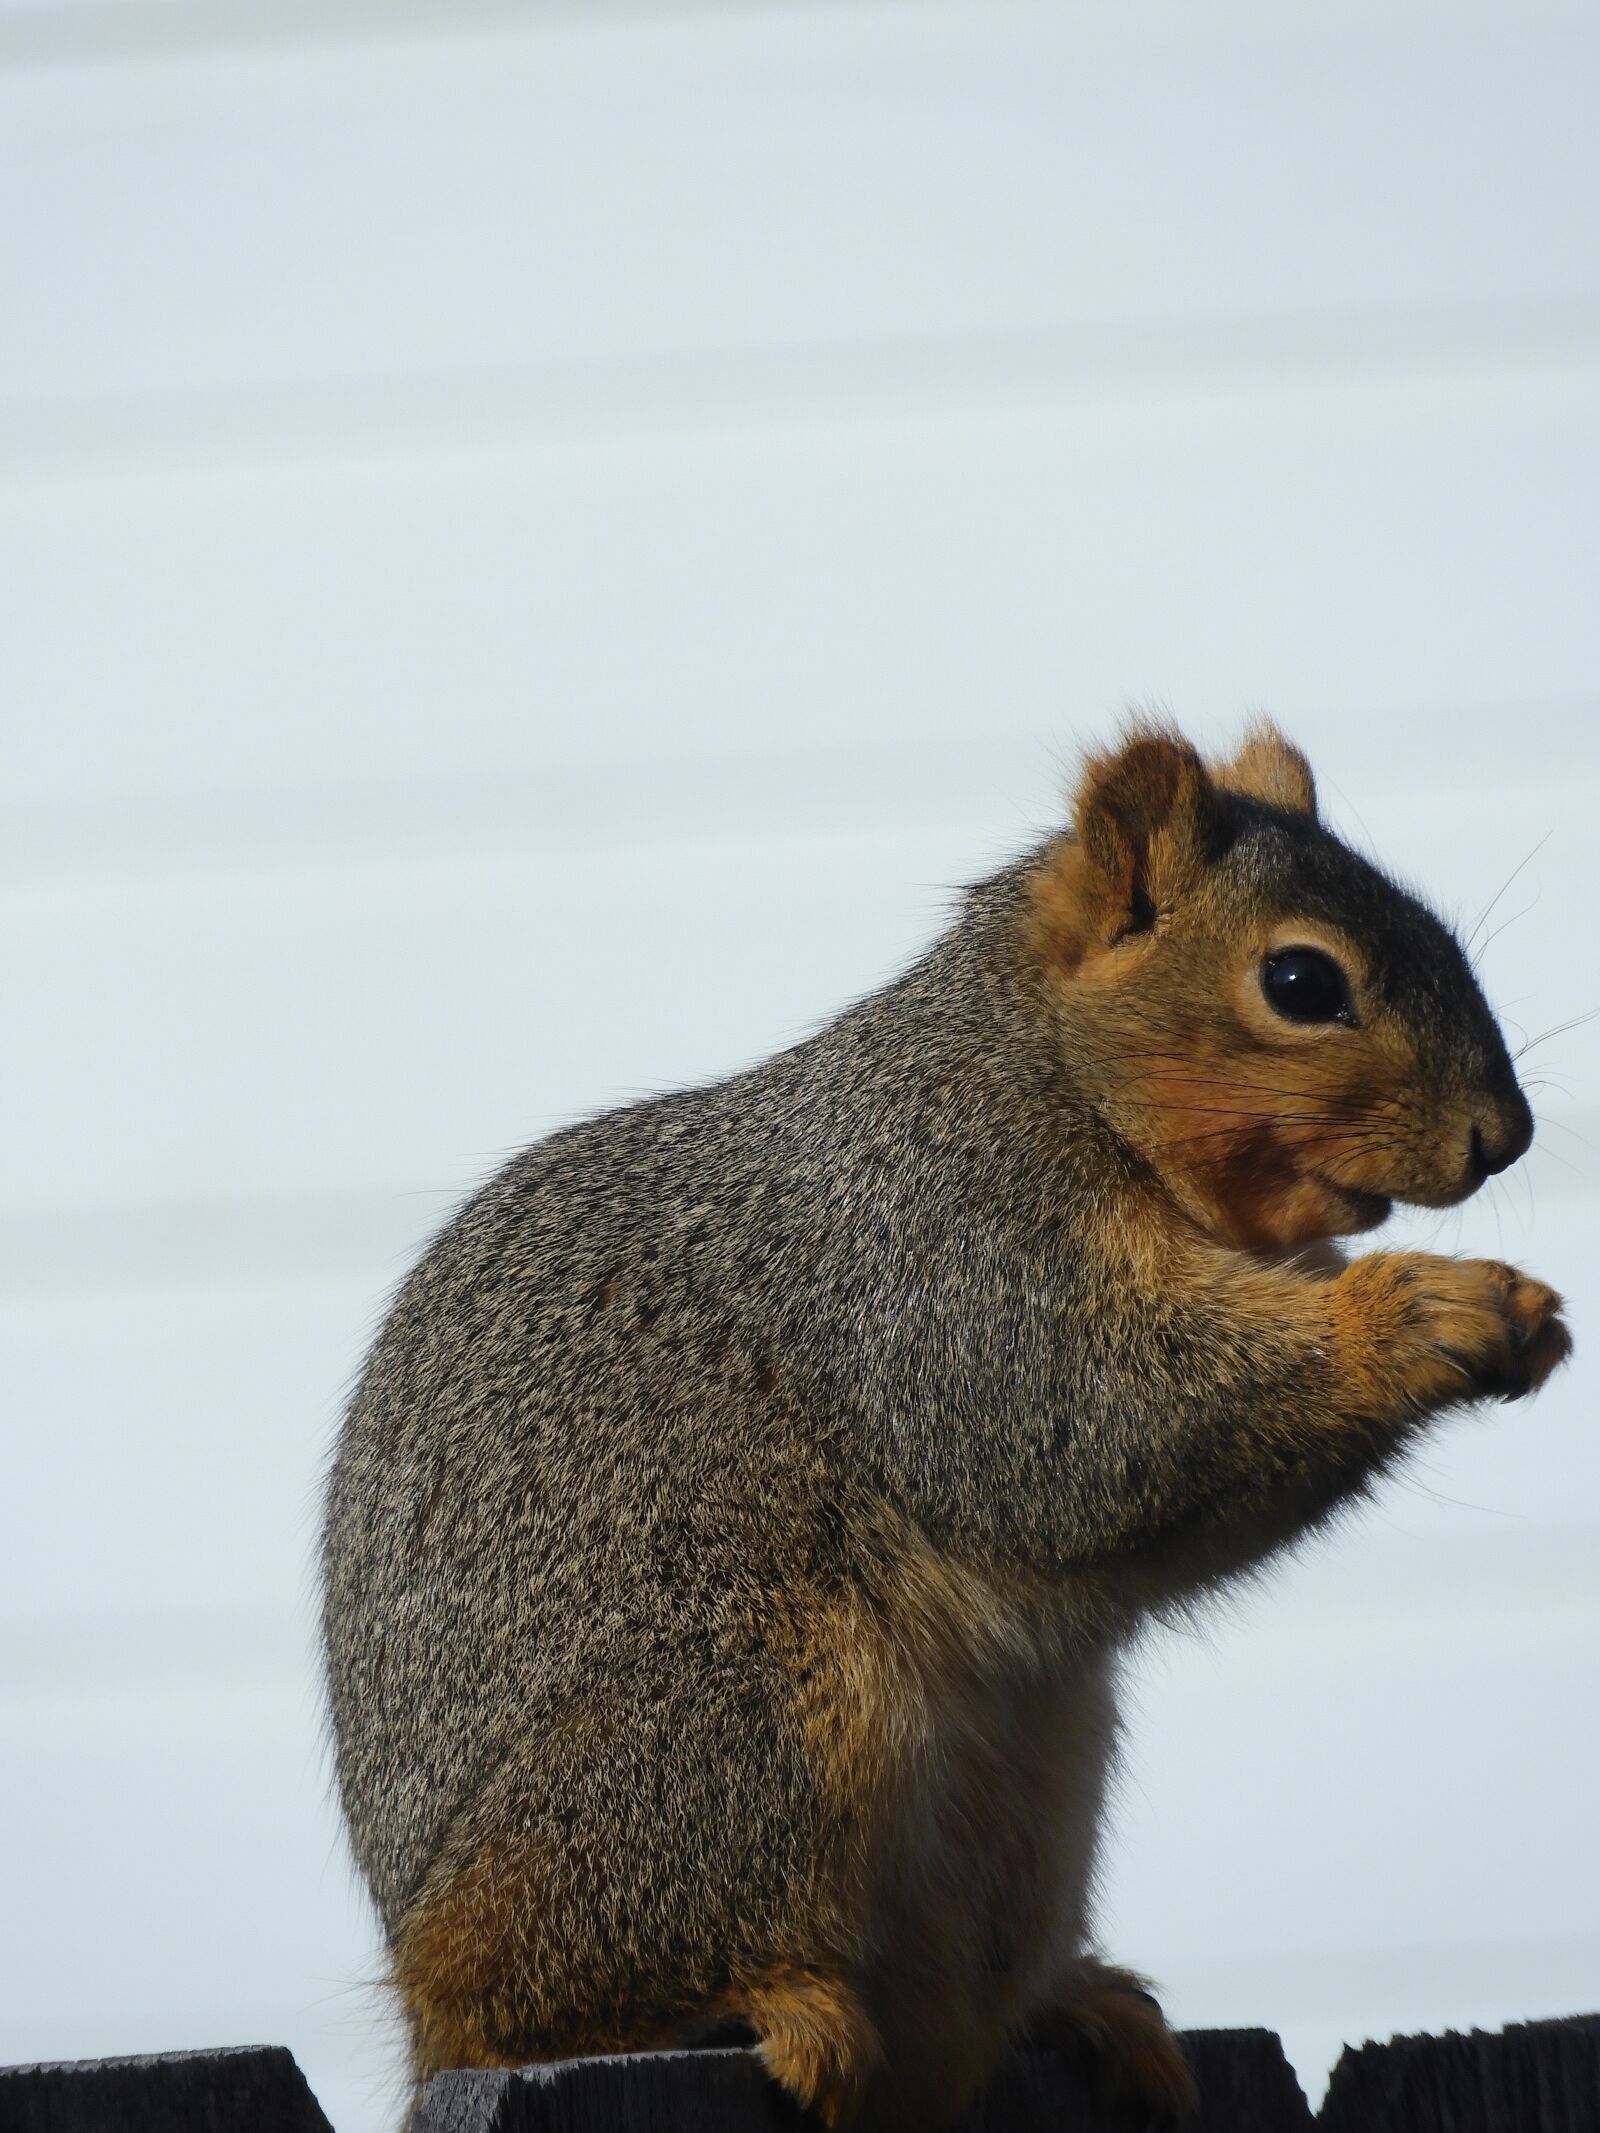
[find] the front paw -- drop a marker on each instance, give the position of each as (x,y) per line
(1443,1330)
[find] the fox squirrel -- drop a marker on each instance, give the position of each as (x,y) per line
(735,1528)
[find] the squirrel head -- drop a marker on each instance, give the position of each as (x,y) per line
(1290,1041)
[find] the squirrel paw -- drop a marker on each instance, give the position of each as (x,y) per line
(1460,1328)
(815,2038)
(1145,2083)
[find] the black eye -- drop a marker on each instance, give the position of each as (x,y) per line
(1306,986)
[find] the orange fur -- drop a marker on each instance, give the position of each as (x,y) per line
(457,1961)
(816,2037)
(966,1747)
(1270,768)
(1268,1136)
(1419,1331)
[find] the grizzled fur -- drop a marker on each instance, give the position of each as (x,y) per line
(737,1519)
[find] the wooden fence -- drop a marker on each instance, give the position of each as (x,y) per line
(1537,2077)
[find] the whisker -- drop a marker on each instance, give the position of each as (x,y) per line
(1353,1144)
(1458,1503)
(1527,1186)
(1560,1125)
(1217,1088)
(1180,1065)
(1566,1161)
(1248,1113)
(1483,915)
(1343,1122)
(1557,1029)
(1481,952)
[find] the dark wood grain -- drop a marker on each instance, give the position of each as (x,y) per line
(1536,2077)
(252,2089)
(646,2093)
(1247,2086)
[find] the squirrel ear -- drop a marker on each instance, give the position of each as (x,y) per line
(1272,769)
(1148,820)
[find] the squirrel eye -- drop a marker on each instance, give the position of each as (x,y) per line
(1305,985)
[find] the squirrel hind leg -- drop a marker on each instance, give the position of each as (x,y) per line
(1138,2065)
(815,2037)
(475,1994)
(481,1986)
(454,1960)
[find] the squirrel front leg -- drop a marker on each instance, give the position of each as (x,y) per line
(1421,1333)
(1283,1390)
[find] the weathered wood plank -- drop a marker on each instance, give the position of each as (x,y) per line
(1247,2086)
(1246,2083)
(251,2089)
(1534,2077)
(716,2091)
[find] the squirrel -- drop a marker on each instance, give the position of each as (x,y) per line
(734,1532)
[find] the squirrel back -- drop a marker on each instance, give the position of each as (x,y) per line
(735,1525)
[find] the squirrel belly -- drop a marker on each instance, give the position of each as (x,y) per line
(734,1529)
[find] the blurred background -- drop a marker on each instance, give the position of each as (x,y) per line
(537,545)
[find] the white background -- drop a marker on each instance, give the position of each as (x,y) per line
(536,542)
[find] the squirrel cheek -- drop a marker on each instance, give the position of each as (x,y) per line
(1285,1209)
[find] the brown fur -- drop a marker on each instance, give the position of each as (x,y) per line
(1271,769)
(1142,2073)
(1263,1131)
(816,2038)
(737,1526)
(457,1965)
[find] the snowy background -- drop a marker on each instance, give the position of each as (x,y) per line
(536,543)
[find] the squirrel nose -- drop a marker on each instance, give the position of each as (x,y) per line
(1509,1137)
